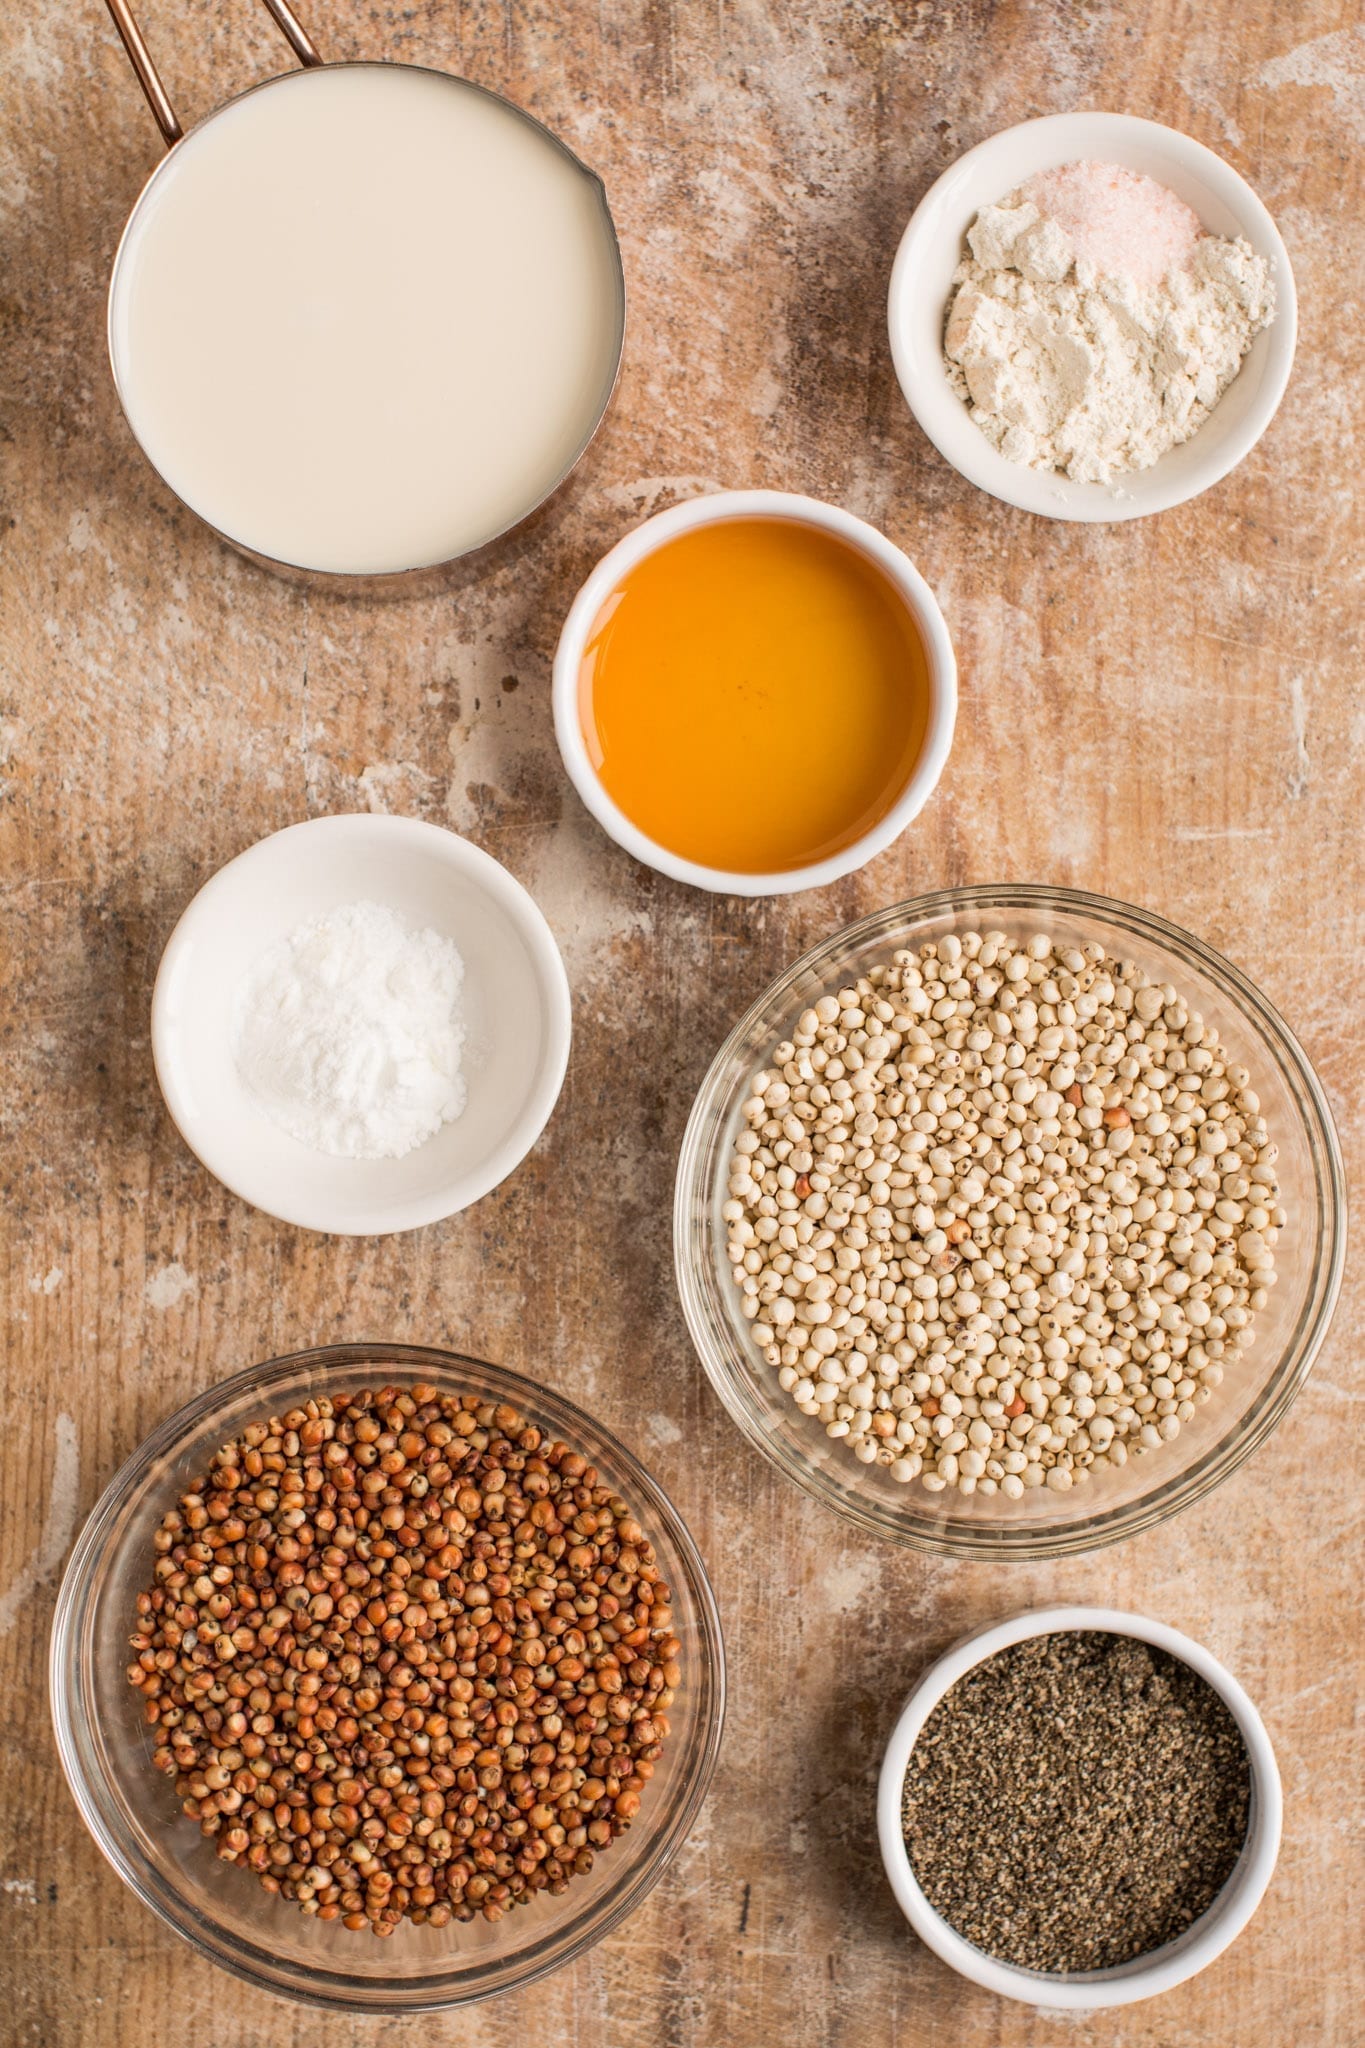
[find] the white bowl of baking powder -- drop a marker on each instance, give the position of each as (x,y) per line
(514,1002)
(922,283)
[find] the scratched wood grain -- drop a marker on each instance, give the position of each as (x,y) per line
(1168,710)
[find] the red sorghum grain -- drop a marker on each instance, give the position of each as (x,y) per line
(405,1656)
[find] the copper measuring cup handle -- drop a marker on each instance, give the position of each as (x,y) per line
(140,57)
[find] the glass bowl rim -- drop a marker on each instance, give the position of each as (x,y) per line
(1092,1531)
(299,1982)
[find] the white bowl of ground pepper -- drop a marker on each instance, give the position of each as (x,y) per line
(1183,1853)
(927,273)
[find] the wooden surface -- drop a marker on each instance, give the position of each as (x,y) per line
(1168,710)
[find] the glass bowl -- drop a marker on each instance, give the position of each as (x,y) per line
(132,1810)
(1255,1393)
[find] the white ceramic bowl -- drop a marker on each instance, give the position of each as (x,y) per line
(516,1004)
(666,526)
(1146,1975)
(934,242)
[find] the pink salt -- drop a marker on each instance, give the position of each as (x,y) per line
(1125,223)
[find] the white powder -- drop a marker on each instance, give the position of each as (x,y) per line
(349,1033)
(1063,368)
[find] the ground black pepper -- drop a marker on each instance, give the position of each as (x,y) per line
(1076,1801)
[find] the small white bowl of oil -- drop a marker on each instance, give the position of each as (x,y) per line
(755,693)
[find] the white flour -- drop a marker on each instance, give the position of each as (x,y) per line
(1065,369)
(349,1032)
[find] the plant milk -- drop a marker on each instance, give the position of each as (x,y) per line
(366,317)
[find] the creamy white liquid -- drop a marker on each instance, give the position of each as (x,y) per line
(366,317)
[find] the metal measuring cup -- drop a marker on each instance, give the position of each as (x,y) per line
(173,134)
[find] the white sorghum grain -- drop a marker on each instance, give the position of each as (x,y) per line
(1000,1214)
